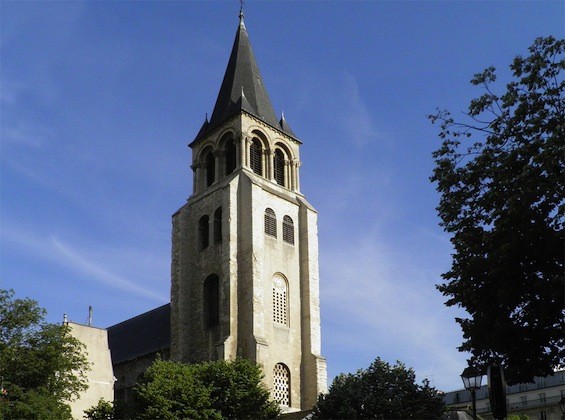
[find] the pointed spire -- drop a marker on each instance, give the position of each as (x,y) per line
(204,127)
(243,104)
(284,126)
(242,75)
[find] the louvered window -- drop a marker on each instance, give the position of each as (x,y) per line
(278,161)
(203,233)
(210,169)
(288,230)
(280,301)
(281,384)
(218,225)
(270,223)
(255,157)
(230,157)
(212,301)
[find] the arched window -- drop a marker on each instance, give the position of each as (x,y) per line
(288,230)
(280,300)
(211,301)
(218,225)
(278,164)
(210,169)
(270,223)
(255,156)
(281,384)
(203,233)
(230,159)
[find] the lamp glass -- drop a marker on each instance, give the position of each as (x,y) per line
(471,379)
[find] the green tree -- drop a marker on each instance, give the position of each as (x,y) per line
(104,410)
(41,364)
(237,391)
(502,200)
(212,390)
(381,391)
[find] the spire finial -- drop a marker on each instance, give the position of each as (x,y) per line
(241,12)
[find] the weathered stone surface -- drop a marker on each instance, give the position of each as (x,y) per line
(246,261)
(100,377)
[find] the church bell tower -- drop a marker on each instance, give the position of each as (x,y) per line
(245,278)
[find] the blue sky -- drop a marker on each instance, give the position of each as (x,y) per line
(100,99)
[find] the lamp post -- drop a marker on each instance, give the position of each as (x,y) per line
(472,381)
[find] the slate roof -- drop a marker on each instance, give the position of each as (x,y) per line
(243,89)
(141,335)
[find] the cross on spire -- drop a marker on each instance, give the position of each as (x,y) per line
(240,11)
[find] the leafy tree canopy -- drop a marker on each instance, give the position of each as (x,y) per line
(42,366)
(211,390)
(383,392)
(500,176)
(104,410)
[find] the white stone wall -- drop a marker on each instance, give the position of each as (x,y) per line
(246,261)
(100,377)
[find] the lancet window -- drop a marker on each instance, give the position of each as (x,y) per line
(270,222)
(288,230)
(203,232)
(230,156)
(280,300)
(210,168)
(255,156)
(278,164)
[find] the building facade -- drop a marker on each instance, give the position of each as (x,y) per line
(538,400)
(100,377)
(245,277)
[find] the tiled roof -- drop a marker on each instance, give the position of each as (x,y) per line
(147,333)
(243,89)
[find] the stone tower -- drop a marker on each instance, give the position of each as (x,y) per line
(245,279)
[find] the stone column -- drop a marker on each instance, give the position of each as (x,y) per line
(237,148)
(288,178)
(269,169)
(264,163)
(196,177)
(296,184)
(243,152)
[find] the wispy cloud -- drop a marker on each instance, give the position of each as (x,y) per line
(358,121)
(394,305)
(61,252)
(24,135)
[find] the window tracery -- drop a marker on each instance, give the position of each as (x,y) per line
(281,384)
(280,300)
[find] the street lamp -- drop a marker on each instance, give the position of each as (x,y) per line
(472,381)
(562,407)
